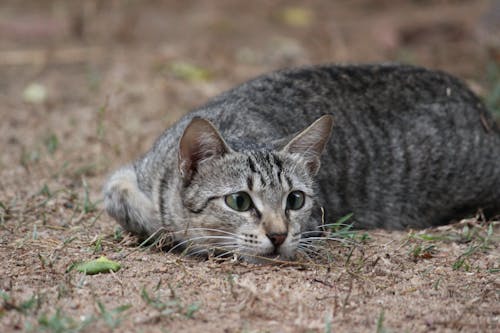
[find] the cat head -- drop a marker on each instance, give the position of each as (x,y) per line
(255,203)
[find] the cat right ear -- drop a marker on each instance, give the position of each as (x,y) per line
(199,142)
(311,142)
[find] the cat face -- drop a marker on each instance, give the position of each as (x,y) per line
(256,204)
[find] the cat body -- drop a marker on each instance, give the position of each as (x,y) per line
(400,147)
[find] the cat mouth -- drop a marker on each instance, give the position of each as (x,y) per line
(272,255)
(277,254)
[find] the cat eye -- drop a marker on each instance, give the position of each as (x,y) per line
(295,200)
(240,201)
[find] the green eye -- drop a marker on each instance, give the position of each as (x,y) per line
(240,201)
(295,200)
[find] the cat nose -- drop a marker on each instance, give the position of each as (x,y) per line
(276,238)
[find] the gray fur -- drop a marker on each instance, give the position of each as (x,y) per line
(409,148)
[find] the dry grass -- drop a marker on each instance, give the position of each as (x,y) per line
(116,74)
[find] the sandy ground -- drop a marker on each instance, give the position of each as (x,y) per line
(86,88)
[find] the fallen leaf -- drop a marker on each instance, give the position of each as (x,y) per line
(35,93)
(101,265)
(189,72)
(297,16)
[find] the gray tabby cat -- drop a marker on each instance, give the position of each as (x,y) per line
(400,147)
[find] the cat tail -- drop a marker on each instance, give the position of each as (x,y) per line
(128,205)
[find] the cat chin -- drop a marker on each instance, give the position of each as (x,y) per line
(266,259)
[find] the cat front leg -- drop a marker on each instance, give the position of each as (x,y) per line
(128,205)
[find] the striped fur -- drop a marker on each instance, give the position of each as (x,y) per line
(409,148)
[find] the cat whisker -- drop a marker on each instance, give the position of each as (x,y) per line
(153,235)
(215,244)
(341,240)
(222,246)
(306,253)
(310,244)
(310,247)
(198,238)
(209,249)
(226,253)
(210,229)
(314,251)
(343,225)
(195,253)
(328,238)
(311,232)
(220,243)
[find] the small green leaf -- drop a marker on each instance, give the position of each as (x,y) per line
(51,143)
(490,230)
(191,309)
(297,16)
(35,93)
(380,322)
(101,265)
(344,219)
(189,72)
(4,295)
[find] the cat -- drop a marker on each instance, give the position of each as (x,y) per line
(259,168)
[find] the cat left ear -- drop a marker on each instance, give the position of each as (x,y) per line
(199,142)
(311,142)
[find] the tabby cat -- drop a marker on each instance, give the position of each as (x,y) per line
(399,147)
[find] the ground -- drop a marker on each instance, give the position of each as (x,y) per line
(87,86)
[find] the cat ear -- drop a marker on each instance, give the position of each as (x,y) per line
(199,142)
(311,142)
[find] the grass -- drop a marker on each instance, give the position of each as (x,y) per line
(328,324)
(51,143)
(29,156)
(492,98)
(380,322)
(169,307)
(59,321)
(479,237)
(88,206)
(100,128)
(97,245)
(25,307)
(59,227)
(5,214)
(423,251)
(343,230)
(114,317)
(166,305)
(117,234)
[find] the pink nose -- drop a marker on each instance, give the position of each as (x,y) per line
(276,238)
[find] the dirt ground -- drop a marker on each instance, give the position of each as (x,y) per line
(87,86)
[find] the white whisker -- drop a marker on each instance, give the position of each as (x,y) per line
(211,229)
(310,246)
(208,249)
(334,225)
(341,240)
(311,232)
(225,254)
(305,253)
(199,238)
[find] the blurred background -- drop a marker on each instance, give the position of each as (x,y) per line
(88,85)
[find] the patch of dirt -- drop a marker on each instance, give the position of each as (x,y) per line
(87,87)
